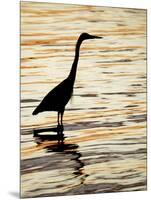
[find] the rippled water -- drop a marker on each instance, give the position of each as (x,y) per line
(103,148)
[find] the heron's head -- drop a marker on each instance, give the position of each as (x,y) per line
(86,36)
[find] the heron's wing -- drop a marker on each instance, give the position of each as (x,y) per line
(54,94)
(55,98)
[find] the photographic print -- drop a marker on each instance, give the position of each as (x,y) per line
(83,80)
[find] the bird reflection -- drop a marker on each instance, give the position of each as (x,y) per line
(39,138)
(57,144)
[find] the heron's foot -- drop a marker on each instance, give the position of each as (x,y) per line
(60,128)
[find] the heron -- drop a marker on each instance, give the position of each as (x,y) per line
(57,98)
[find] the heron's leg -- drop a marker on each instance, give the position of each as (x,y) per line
(62,128)
(58,127)
(58,118)
(62,117)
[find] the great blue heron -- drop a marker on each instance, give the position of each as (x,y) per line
(58,97)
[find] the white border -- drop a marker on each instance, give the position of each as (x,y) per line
(9,99)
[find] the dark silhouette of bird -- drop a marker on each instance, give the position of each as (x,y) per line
(58,97)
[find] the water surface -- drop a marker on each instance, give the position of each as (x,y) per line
(103,148)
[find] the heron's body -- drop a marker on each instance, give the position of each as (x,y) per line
(56,101)
(58,97)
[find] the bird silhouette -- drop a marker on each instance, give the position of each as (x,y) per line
(58,97)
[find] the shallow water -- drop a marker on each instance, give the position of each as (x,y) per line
(103,148)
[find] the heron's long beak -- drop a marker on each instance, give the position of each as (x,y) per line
(96,37)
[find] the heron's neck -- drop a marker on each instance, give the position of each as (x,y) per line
(72,74)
